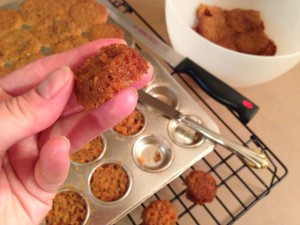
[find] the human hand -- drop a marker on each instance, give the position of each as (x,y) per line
(42,124)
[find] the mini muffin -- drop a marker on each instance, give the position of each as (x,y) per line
(69,208)
(105,30)
(133,124)
(109,182)
(240,30)
(114,68)
(89,152)
(159,212)
(201,187)
(88,13)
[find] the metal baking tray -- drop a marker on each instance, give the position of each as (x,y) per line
(178,147)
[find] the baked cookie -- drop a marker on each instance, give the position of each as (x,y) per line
(159,212)
(89,152)
(114,68)
(9,20)
(109,182)
(105,30)
(17,44)
(54,28)
(26,59)
(69,43)
(97,14)
(68,208)
(33,11)
(201,187)
(133,124)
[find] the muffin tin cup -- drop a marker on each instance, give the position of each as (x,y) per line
(142,111)
(153,153)
(88,208)
(101,155)
(129,175)
(183,135)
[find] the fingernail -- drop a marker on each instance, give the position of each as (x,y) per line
(54,82)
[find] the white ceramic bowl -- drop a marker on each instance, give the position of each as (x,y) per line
(281,19)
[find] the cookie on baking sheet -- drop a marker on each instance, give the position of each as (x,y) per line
(201,187)
(88,13)
(105,30)
(33,11)
(69,43)
(101,76)
(17,44)
(54,28)
(26,59)
(159,212)
(9,20)
(69,3)
(5,70)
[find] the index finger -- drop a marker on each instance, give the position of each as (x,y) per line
(29,76)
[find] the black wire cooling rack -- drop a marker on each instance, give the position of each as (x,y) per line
(239,187)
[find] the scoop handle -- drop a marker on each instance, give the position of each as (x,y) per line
(219,90)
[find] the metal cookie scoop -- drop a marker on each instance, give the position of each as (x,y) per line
(251,158)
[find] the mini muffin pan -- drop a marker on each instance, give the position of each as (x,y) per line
(152,158)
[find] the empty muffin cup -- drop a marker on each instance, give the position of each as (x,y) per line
(153,153)
(183,135)
(110,182)
(70,207)
(91,152)
(133,125)
(164,94)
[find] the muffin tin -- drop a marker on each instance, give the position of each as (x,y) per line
(155,156)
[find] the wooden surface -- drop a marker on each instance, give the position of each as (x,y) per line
(277,124)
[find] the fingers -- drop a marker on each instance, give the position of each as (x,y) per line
(51,169)
(36,110)
(82,127)
(32,74)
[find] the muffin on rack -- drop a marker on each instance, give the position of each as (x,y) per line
(159,212)
(201,187)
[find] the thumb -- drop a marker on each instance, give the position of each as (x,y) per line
(28,114)
(52,167)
